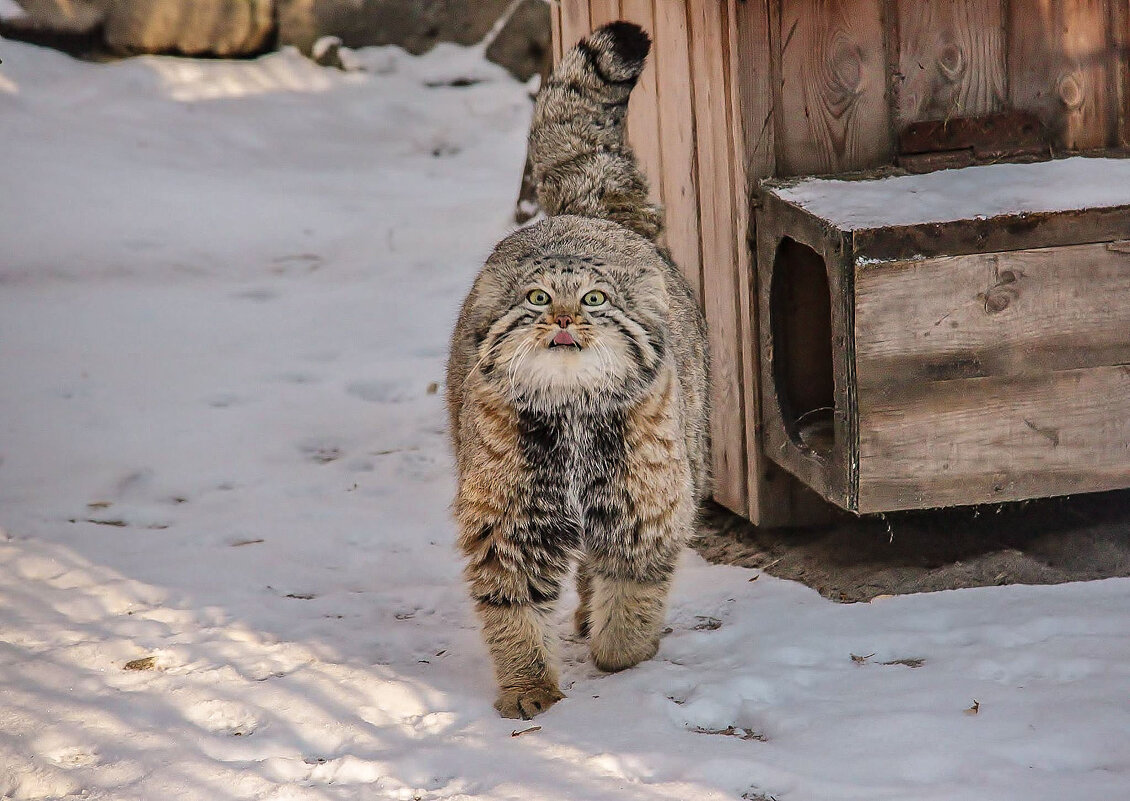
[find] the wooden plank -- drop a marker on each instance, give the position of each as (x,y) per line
(984,440)
(993,234)
(643,107)
(555,30)
(991,314)
(951,60)
(774,497)
(709,38)
(750,105)
(603,12)
(751,82)
(575,22)
(832,102)
(675,114)
(1060,67)
(1120,40)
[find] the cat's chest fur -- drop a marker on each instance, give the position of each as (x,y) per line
(574,456)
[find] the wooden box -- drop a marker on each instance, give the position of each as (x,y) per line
(740,90)
(953,338)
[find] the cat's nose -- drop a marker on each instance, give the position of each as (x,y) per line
(564,320)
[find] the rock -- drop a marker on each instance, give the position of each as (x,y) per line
(522,45)
(245,27)
(72,26)
(67,17)
(192,27)
(415,25)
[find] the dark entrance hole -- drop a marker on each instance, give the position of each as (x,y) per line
(800,310)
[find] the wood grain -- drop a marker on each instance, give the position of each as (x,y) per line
(993,234)
(951,60)
(1060,68)
(993,314)
(675,112)
(555,31)
(750,94)
(832,112)
(774,497)
(709,37)
(751,79)
(1120,41)
(643,107)
(984,440)
(973,378)
(575,22)
(603,12)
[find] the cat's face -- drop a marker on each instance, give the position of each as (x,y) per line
(575,324)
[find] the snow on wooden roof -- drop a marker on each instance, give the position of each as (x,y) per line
(965,193)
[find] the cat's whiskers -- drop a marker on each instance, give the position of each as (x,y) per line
(522,351)
(608,364)
(482,359)
(605,363)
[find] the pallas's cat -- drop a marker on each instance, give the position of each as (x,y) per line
(577,389)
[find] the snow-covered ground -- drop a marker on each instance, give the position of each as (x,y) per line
(227,566)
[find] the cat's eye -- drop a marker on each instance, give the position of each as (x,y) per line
(594,298)
(538,297)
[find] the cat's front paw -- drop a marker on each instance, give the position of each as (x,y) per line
(526,702)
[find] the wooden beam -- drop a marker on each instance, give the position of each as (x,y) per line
(555,30)
(1120,41)
(750,106)
(643,107)
(575,22)
(774,498)
(676,140)
(987,235)
(603,12)
(992,314)
(985,440)
(709,38)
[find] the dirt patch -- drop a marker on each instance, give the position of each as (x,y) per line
(1047,541)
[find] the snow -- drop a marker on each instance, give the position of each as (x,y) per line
(225,295)
(965,193)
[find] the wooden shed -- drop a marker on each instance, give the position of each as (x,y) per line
(743,90)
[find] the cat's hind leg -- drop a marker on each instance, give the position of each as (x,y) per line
(631,566)
(626,619)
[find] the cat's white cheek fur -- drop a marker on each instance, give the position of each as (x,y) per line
(602,363)
(558,369)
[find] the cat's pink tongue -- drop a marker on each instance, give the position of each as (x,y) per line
(564,338)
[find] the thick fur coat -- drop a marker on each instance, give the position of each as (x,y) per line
(577,390)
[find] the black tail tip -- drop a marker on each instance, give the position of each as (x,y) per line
(628,41)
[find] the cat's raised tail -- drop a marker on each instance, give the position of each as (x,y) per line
(581,159)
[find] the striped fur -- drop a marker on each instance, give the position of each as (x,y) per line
(582,162)
(594,453)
